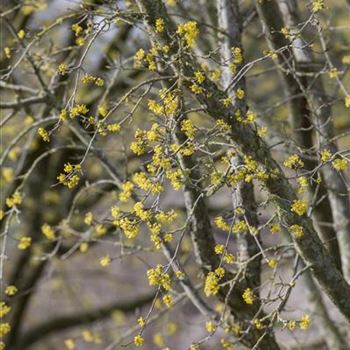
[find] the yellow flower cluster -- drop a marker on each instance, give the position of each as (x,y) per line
(62,69)
(14,200)
(317,5)
(297,231)
(159,25)
(222,224)
(44,134)
(140,143)
(142,181)
(299,206)
(211,286)
(69,178)
(4,329)
(340,164)
(188,128)
(228,258)
(78,110)
(126,192)
(199,76)
(156,277)
(4,309)
(48,232)
(128,226)
(325,155)
(105,261)
(248,296)
(293,161)
(305,322)
(87,78)
(140,211)
(240,226)
(275,228)
(189,31)
(138,340)
(222,126)
(175,178)
(24,242)
(210,326)
(11,290)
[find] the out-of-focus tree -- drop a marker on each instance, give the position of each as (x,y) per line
(174,174)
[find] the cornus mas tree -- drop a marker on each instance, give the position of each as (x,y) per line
(175,174)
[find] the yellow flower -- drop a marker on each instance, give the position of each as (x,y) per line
(272,263)
(200,77)
(69,344)
(105,261)
(347,101)
(317,5)
(24,243)
(159,25)
(62,69)
(293,161)
(210,326)
(138,340)
(48,232)
(21,34)
(189,31)
(188,128)
(304,323)
(248,296)
(291,325)
(299,207)
(44,134)
(219,249)
(156,277)
(340,164)
(11,290)
(88,218)
(297,231)
(275,228)
(126,192)
(333,73)
(211,286)
(141,321)
(4,328)
(14,200)
(168,300)
(221,224)
(325,155)
(240,94)
(4,309)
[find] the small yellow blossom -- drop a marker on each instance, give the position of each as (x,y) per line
(299,207)
(105,261)
(340,164)
(304,323)
(44,134)
(24,242)
(4,329)
(275,228)
(325,155)
(297,231)
(210,326)
(138,340)
(48,232)
(293,161)
(159,25)
(11,290)
(240,94)
(347,101)
(189,31)
(248,296)
(141,321)
(69,344)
